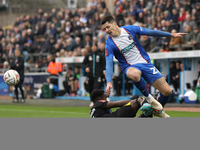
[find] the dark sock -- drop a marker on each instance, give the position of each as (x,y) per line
(141,85)
(162,99)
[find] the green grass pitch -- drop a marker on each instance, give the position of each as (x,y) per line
(31,111)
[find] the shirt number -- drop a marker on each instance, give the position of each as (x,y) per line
(155,71)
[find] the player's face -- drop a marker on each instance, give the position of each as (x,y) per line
(110,28)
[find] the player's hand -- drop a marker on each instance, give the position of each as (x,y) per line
(108,88)
(178,34)
(87,69)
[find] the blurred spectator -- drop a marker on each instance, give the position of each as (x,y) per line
(140,17)
(182,14)
(18,65)
(54,68)
(78,42)
(69,45)
(174,16)
(94,65)
(101,37)
(89,13)
(68,27)
(172,72)
(176,77)
(94,40)
(197,16)
(44,63)
(167,15)
(39,41)
(83,52)
(117,82)
(6,66)
(175,41)
(149,23)
(102,48)
(70,83)
(163,25)
(145,42)
(169,27)
(48,46)
(187,5)
(30,35)
(188,21)
(53,31)
(88,40)
(195,39)
(91,3)
(119,17)
(187,37)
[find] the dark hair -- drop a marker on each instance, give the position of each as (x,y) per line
(108,19)
(96,94)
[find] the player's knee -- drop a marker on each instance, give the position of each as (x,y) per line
(134,77)
(167,92)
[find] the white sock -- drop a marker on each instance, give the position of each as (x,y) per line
(149,98)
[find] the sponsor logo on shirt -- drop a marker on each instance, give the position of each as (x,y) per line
(128,48)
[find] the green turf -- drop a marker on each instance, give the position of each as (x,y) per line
(30,111)
(27,111)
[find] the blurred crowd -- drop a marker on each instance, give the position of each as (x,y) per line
(66,33)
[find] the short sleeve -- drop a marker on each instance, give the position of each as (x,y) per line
(137,30)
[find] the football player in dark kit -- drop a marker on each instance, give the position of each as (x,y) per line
(18,65)
(128,108)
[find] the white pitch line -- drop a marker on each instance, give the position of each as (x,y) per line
(43,111)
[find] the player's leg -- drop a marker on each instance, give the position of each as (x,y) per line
(76,86)
(135,75)
(21,90)
(16,93)
(98,83)
(91,87)
(164,89)
(151,74)
(165,92)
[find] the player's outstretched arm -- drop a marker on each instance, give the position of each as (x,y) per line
(178,34)
(157,33)
(117,103)
(109,73)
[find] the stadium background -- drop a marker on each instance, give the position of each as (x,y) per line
(15,8)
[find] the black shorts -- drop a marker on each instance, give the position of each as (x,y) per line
(124,111)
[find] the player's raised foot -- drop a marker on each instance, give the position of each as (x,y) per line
(155,104)
(147,109)
(160,113)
